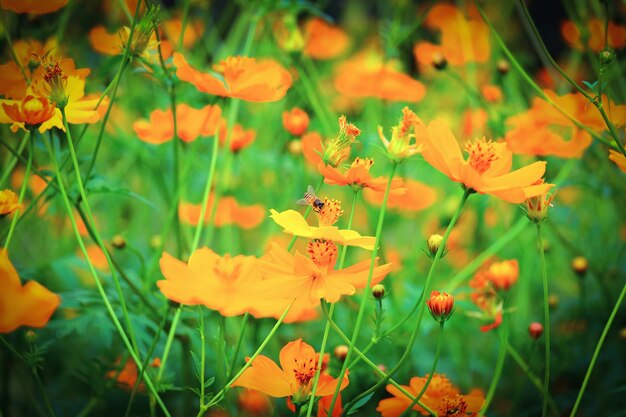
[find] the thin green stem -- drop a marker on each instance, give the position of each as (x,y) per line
(100,288)
(365,298)
(344,250)
(503,332)
(44,395)
(168,344)
(185,20)
(309,82)
(176,176)
(546,325)
(242,331)
(596,352)
(13,162)
(202,353)
(433,368)
(20,199)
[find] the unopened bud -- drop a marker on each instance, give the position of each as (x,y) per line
(433,243)
(503,66)
(439,61)
(378,291)
(622,333)
(341,352)
(30,336)
(118,242)
(295,147)
(606,56)
(580,265)
(535,330)
(553,301)
(440,305)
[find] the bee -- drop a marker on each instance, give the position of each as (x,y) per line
(310,199)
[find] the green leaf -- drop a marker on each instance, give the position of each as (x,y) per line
(360,404)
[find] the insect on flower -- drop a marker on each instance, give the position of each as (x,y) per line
(310,199)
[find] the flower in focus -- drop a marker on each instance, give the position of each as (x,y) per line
(8,202)
(537,208)
(462,40)
(314,277)
(403,143)
(33,6)
(239,136)
(418,196)
(595,35)
(228,212)
(618,158)
(440,396)
(295,121)
(487,168)
(323,40)
(338,148)
(239,77)
(30,305)
(190,124)
(440,305)
(358,176)
(293,379)
(30,111)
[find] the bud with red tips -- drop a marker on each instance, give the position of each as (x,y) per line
(378,291)
(440,305)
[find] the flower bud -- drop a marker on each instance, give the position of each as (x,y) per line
(553,301)
(118,242)
(440,305)
(606,56)
(378,291)
(341,351)
(433,243)
(503,66)
(30,336)
(439,61)
(295,147)
(535,330)
(580,265)
(296,121)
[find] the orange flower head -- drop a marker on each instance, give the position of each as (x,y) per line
(487,168)
(33,6)
(323,253)
(240,137)
(358,177)
(239,77)
(503,275)
(338,148)
(293,379)
(296,121)
(8,202)
(30,304)
(537,208)
(618,158)
(31,111)
(323,40)
(440,305)
(56,79)
(402,144)
(254,403)
(440,396)
(594,34)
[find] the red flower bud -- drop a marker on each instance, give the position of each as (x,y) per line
(440,305)
(535,330)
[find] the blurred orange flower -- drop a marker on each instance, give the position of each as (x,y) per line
(254,403)
(440,396)
(418,196)
(499,276)
(191,123)
(240,137)
(239,77)
(618,158)
(314,277)
(228,212)
(312,148)
(8,202)
(491,93)
(29,305)
(294,379)
(323,40)
(172,29)
(295,121)
(33,6)
(358,176)
(487,168)
(462,40)
(595,40)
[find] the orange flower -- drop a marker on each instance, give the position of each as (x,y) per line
(462,40)
(190,124)
(8,202)
(240,77)
(403,143)
(440,396)
(31,111)
(172,29)
(254,403)
(33,6)
(537,208)
(126,377)
(295,121)
(618,158)
(491,93)
(500,276)
(338,148)
(418,196)
(96,255)
(487,167)
(228,212)
(294,379)
(219,283)
(312,148)
(595,41)
(358,176)
(239,137)
(314,277)
(324,41)
(440,305)
(28,305)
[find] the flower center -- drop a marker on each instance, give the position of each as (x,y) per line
(482,153)
(32,105)
(453,406)
(363,163)
(226,268)
(330,213)
(305,370)
(323,253)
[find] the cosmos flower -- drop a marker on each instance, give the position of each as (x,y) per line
(33,6)
(191,124)
(228,212)
(323,40)
(295,121)
(31,111)
(8,202)
(358,176)
(618,158)
(418,196)
(595,40)
(240,137)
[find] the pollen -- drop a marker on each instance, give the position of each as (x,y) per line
(482,153)
(330,213)
(305,370)
(323,253)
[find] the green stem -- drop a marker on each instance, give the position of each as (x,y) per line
(596,353)
(13,162)
(168,344)
(546,315)
(20,199)
(242,331)
(202,353)
(365,298)
(43,392)
(430,374)
(308,79)
(503,332)
(185,19)
(176,176)
(344,250)
(419,305)
(100,288)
